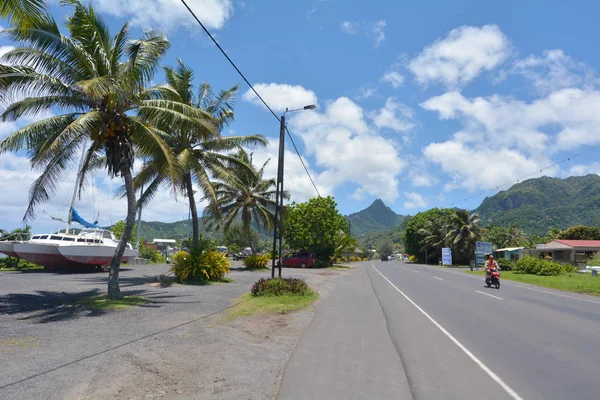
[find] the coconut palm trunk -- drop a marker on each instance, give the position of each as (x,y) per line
(113,277)
(193,209)
(246,221)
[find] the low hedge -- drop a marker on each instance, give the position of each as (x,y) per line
(537,266)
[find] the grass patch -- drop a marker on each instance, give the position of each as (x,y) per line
(340,267)
(32,268)
(249,305)
(104,303)
(572,282)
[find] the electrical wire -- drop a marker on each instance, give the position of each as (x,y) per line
(251,87)
(519,179)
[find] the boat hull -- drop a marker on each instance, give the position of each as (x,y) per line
(8,249)
(46,255)
(93,255)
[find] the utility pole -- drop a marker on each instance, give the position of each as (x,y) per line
(278,223)
(278,230)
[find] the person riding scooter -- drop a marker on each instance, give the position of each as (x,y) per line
(491,265)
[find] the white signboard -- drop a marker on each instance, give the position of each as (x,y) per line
(446,256)
(481,249)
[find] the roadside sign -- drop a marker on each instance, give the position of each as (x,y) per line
(446,256)
(481,249)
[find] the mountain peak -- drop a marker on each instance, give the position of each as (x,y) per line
(376,217)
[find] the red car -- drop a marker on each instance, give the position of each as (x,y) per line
(301,259)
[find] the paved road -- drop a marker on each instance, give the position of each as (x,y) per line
(452,337)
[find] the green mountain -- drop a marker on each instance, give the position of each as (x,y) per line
(537,205)
(376,217)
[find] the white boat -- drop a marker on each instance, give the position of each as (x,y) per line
(95,247)
(7,243)
(91,247)
(43,250)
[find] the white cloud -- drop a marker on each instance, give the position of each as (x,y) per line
(366,93)
(418,174)
(564,120)
(281,96)
(554,71)
(395,116)
(481,167)
(583,169)
(314,8)
(414,200)
(394,78)
(461,56)
(169,14)
(295,179)
(372,30)
(98,200)
(349,150)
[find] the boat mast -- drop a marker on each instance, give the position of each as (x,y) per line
(76,188)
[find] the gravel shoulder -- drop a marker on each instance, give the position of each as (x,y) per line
(180,346)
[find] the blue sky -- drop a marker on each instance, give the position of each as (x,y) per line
(421,104)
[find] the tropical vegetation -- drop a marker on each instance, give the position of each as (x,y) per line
(314,226)
(92,92)
(200,152)
(243,193)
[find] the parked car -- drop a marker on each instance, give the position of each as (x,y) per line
(300,259)
(385,258)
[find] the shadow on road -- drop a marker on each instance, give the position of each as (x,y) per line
(45,306)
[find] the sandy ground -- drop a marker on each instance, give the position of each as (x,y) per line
(180,347)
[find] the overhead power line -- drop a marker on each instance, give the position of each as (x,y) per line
(519,179)
(251,87)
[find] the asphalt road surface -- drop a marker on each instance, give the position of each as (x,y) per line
(395,330)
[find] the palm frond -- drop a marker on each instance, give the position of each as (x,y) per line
(23,13)
(45,185)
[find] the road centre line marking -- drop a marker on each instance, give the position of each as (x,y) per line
(439,279)
(491,295)
(513,284)
(481,365)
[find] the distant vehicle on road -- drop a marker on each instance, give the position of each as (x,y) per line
(301,259)
(385,258)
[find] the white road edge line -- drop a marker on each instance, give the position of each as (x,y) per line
(491,295)
(439,279)
(481,365)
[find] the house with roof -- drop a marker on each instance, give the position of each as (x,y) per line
(571,251)
(510,253)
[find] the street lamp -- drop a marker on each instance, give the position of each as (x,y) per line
(278,230)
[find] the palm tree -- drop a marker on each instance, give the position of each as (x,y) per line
(463,233)
(23,13)
(96,85)
(344,243)
(433,236)
(199,152)
(243,193)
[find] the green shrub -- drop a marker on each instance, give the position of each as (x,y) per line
(13,262)
(505,264)
(537,266)
(200,266)
(280,286)
(257,261)
(351,259)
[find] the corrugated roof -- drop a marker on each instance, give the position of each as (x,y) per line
(578,243)
(510,249)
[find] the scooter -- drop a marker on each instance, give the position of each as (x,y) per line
(493,279)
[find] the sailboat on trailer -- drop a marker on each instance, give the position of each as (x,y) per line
(93,246)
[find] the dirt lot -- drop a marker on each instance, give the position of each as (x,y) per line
(178,347)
